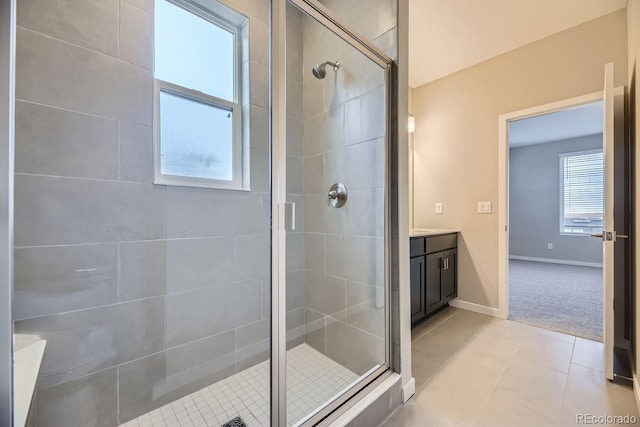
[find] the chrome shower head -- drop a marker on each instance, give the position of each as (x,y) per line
(320,71)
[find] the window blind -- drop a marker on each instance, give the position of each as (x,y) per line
(582,193)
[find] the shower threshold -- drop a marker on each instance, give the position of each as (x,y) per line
(313,379)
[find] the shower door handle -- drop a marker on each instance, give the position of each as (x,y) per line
(289,216)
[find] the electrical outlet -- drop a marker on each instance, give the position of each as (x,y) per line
(549,245)
(439,207)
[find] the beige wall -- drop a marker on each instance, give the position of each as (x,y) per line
(456,137)
(633,27)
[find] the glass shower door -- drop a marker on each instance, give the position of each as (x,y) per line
(336,268)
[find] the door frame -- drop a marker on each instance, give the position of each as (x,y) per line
(503,181)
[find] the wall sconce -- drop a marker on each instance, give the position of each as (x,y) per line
(411,126)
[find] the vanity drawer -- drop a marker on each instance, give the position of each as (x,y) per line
(441,243)
(417,246)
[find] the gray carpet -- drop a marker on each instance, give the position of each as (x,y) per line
(563,298)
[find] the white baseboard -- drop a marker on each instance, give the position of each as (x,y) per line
(556,261)
(408,390)
(476,308)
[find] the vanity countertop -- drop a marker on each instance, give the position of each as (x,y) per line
(425,232)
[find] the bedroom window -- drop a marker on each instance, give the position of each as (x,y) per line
(582,192)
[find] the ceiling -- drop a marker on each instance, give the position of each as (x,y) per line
(446,36)
(568,123)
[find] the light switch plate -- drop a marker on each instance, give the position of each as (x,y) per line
(484,207)
(439,207)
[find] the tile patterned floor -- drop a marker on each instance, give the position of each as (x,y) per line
(475,370)
(313,380)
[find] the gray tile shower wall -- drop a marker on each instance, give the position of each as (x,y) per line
(144,293)
(343,134)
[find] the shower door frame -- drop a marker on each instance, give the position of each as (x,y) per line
(280,209)
(7,95)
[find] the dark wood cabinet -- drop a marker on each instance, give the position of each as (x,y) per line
(433,274)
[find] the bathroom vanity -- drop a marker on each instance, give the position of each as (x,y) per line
(433,271)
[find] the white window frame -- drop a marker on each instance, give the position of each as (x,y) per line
(238,162)
(561,158)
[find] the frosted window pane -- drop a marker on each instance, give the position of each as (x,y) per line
(192,52)
(196,139)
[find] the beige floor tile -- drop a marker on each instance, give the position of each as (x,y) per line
(505,331)
(546,333)
(454,405)
(547,351)
(499,412)
(588,389)
(487,354)
(466,378)
(422,368)
(589,354)
(432,321)
(534,386)
(436,347)
(464,324)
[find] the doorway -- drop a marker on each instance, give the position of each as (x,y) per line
(556,203)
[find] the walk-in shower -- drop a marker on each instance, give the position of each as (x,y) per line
(182,241)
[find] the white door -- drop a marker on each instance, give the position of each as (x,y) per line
(609,234)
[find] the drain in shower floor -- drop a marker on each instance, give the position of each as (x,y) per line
(235,422)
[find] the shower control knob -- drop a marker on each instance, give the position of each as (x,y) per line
(337,195)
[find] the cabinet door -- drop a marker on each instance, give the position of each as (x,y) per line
(417,276)
(449,288)
(433,274)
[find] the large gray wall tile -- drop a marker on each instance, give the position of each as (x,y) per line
(49,280)
(51,141)
(139,327)
(198,314)
(294,137)
(90,401)
(86,341)
(353,348)
(314,252)
(360,256)
(54,73)
(199,263)
(199,363)
(195,212)
(369,156)
(295,175)
(295,289)
(136,153)
(143,270)
(54,211)
(315,329)
(258,9)
(259,163)
(325,294)
(259,127)
(253,344)
(144,4)
(136,35)
(364,308)
(253,256)
(89,23)
(295,251)
(324,132)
